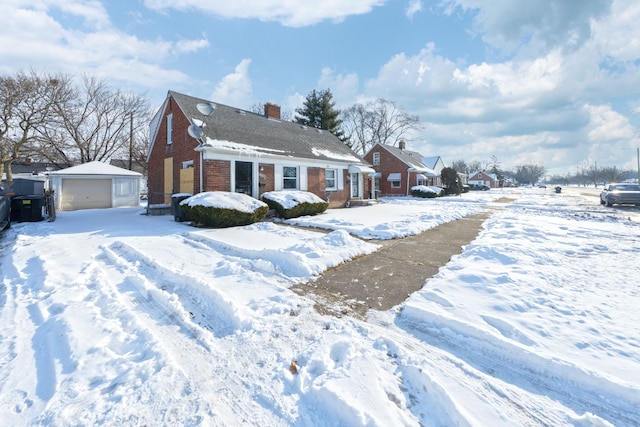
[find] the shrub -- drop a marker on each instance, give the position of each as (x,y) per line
(293,203)
(222,209)
(426,191)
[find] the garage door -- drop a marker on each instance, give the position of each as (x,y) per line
(85,194)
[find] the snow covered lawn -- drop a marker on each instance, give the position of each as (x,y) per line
(110,317)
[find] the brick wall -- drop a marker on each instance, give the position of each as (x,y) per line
(181,150)
(266,178)
(390,164)
(216,175)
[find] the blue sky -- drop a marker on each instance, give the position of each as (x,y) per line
(551,82)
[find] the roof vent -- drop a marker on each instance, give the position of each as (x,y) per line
(303,127)
(241,112)
(319,130)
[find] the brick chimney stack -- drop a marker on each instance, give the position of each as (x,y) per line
(401,145)
(272,110)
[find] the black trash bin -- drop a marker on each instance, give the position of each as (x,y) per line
(178,213)
(27,208)
(558,189)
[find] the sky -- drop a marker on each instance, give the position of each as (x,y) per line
(548,82)
(109,317)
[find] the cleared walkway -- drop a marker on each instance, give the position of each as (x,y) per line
(388,276)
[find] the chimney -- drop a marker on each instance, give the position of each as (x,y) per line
(401,145)
(27,161)
(272,110)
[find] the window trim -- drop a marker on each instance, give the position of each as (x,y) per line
(376,159)
(335,179)
(170,129)
(286,178)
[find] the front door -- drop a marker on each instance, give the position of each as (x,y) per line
(244,178)
(355,185)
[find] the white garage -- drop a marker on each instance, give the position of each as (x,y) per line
(94,185)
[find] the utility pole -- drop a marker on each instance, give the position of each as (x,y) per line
(130,139)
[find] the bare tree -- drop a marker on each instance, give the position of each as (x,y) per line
(612,174)
(460,166)
(593,173)
(27,102)
(380,121)
(94,125)
(529,174)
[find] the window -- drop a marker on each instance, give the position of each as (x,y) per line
(169,129)
(289,177)
(330,179)
(395,184)
(188,164)
(376,159)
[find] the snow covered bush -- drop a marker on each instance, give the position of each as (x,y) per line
(427,191)
(294,203)
(222,209)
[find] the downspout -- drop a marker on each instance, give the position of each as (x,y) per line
(201,190)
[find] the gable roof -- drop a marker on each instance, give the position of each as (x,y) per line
(412,159)
(432,162)
(95,168)
(234,130)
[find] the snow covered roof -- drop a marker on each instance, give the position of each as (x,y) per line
(412,159)
(230,129)
(96,168)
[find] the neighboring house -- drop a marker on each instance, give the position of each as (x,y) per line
(29,167)
(483,178)
(436,164)
(245,152)
(94,185)
(397,170)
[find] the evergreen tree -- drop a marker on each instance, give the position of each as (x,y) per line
(319,111)
(450,180)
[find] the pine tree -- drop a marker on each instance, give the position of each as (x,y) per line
(319,111)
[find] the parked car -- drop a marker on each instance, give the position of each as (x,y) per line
(5,210)
(620,194)
(481,187)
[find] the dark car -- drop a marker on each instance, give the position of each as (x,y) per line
(620,194)
(5,210)
(481,187)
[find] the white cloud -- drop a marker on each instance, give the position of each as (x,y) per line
(414,7)
(235,89)
(191,46)
(32,37)
(344,87)
(607,125)
(290,13)
(532,26)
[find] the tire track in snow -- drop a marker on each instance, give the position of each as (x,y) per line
(442,381)
(194,350)
(566,384)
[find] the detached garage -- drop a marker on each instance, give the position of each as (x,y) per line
(94,185)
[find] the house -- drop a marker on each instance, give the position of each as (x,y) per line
(483,178)
(94,185)
(27,167)
(397,170)
(436,164)
(199,146)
